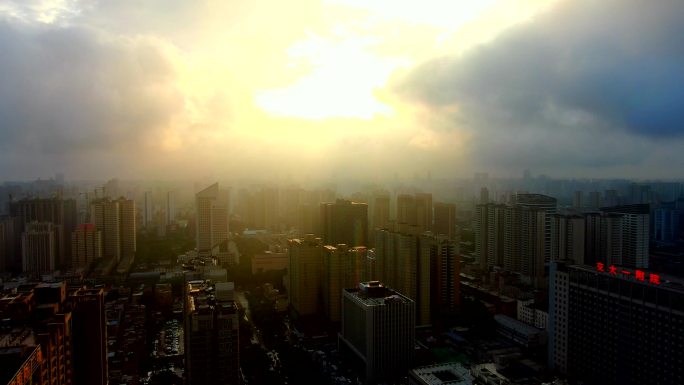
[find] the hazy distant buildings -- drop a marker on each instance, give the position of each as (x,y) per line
(415,211)
(306,264)
(445,219)
(39,248)
(594,200)
(115,219)
(148,210)
(635,233)
(60,212)
(8,244)
(568,237)
(484,195)
(267,209)
(615,325)
(527,235)
(127,228)
(489,234)
(381,211)
(212,219)
(406,209)
(212,353)
(668,219)
(378,330)
(344,222)
(603,238)
(86,245)
(104,213)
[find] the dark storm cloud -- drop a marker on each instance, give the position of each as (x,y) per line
(587,82)
(70,92)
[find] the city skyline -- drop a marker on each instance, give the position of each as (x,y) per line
(347,88)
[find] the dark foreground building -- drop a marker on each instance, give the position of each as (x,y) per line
(615,325)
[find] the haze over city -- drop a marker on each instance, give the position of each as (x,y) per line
(179,89)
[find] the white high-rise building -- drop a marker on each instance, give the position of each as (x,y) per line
(212,205)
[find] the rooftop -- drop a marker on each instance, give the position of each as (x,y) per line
(450,373)
(202,297)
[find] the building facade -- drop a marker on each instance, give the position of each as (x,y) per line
(39,248)
(212,353)
(378,330)
(615,325)
(211,205)
(86,245)
(344,222)
(306,264)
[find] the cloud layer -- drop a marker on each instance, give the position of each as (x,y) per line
(172,89)
(72,95)
(586,85)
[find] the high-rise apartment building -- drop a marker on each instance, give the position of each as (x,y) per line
(8,244)
(415,210)
(212,207)
(378,330)
(115,219)
(635,233)
(344,222)
(212,353)
(594,200)
(603,238)
(489,234)
(424,214)
(24,361)
(343,267)
(406,209)
(445,219)
(86,245)
(381,211)
(267,209)
(39,248)
(60,212)
(568,237)
(306,264)
(104,213)
(90,340)
(615,325)
(398,263)
(445,269)
(526,235)
(148,210)
(422,267)
(127,228)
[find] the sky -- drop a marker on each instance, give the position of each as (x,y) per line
(169,89)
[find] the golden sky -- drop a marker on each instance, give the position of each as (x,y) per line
(164,88)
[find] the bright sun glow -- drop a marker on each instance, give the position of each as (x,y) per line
(354,58)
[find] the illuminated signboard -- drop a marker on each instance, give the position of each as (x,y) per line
(639,275)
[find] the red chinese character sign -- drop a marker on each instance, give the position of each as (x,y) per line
(654,278)
(639,275)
